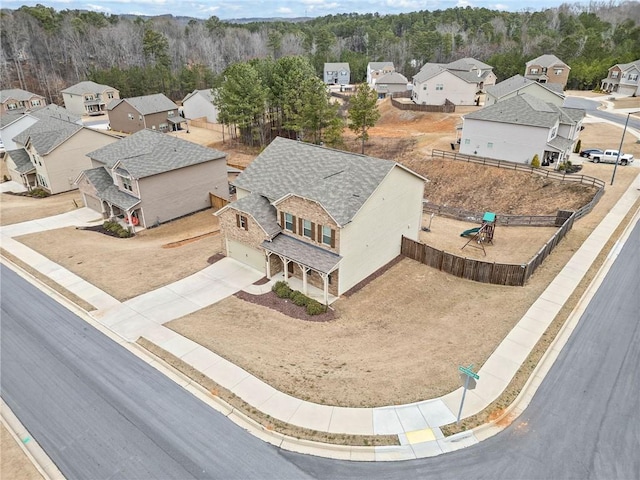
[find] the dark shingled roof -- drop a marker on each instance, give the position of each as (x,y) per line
(147,104)
(16,94)
(522,109)
(47,133)
(86,87)
(103,183)
(339,181)
(560,143)
(55,111)
(547,61)
(21,158)
(7,118)
(148,152)
(392,78)
(517,82)
(261,210)
(303,253)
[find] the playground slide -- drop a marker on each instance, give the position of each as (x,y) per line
(469,232)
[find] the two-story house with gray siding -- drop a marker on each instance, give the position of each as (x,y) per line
(520,127)
(623,78)
(337,74)
(150,178)
(88,98)
(327,217)
(155,112)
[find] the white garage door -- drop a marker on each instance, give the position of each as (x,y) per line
(248,255)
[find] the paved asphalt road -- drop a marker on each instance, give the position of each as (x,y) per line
(101,413)
(591,107)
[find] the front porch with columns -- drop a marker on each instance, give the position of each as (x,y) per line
(308,258)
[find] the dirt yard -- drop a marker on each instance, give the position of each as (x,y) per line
(126,268)
(18,208)
(14,463)
(420,322)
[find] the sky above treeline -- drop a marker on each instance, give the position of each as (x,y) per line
(239,9)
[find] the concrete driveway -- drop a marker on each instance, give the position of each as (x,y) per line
(206,287)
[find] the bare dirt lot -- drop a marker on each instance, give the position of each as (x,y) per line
(14,463)
(401,337)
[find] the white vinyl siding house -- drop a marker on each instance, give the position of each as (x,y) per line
(199,104)
(520,127)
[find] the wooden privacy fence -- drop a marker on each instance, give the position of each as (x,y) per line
(485,272)
(448,106)
(519,167)
(202,123)
(504,220)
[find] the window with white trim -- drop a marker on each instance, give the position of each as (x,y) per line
(288,222)
(467,141)
(306,228)
(110,95)
(614,74)
(439,86)
(558,71)
(533,71)
(243,222)
(489,144)
(326,235)
(130,115)
(633,77)
(126,183)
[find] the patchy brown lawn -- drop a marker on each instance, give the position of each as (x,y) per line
(18,208)
(401,337)
(128,267)
(14,463)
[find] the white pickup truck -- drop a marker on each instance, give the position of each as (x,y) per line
(610,156)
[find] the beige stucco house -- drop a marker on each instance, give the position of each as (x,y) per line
(547,69)
(150,178)
(18,100)
(56,149)
(623,78)
(328,217)
(520,127)
(155,112)
(460,82)
(517,85)
(88,98)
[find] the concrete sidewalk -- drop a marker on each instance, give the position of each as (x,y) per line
(417,424)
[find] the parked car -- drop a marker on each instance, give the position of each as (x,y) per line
(589,151)
(610,156)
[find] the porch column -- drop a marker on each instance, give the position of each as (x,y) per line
(325,280)
(286,269)
(304,280)
(268,265)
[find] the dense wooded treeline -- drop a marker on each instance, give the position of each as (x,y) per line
(44,51)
